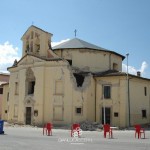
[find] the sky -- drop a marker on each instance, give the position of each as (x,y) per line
(122,26)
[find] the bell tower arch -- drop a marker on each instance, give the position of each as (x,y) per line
(36,41)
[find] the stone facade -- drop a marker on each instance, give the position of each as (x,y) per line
(72,82)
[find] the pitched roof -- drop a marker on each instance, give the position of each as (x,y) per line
(77,43)
(42,58)
(110,73)
(80,44)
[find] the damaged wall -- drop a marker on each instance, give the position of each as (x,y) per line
(91,60)
(83,96)
(80,82)
(64,89)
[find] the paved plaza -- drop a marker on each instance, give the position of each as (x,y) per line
(31,138)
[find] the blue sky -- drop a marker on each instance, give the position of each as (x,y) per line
(119,25)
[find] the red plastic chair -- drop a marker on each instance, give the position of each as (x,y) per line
(48,129)
(139,131)
(75,128)
(107,129)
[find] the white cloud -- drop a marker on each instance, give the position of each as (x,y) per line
(143,67)
(8,53)
(57,43)
(133,70)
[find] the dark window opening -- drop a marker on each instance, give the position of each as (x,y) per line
(31,87)
(79,79)
(107,93)
(144,114)
(35,113)
(70,61)
(116,114)
(145,91)
(1,90)
(78,110)
(5,111)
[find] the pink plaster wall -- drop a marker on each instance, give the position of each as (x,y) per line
(3,78)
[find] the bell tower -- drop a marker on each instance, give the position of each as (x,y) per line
(36,41)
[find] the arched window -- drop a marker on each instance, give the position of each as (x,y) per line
(30,81)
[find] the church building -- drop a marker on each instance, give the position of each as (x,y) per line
(72,82)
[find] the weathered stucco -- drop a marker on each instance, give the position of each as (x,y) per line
(91,60)
(62,88)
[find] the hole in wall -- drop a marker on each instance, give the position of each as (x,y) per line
(79,79)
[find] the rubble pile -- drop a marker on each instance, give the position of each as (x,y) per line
(90,126)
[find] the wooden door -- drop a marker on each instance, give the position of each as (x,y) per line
(28,115)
